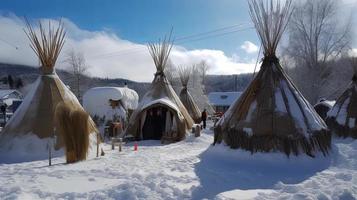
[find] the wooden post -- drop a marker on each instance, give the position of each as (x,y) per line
(4,118)
(115,131)
(197,131)
(97,145)
(3,110)
(120,143)
(49,153)
(102,152)
(112,143)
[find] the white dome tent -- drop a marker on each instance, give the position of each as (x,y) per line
(95,100)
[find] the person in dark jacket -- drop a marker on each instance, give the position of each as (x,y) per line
(204,118)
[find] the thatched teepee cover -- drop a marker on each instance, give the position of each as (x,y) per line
(36,114)
(72,124)
(271,114)
(343,116)
(160,94)
(185,96)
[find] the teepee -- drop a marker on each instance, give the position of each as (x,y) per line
(160,113)
(341,119)
(272,115)
(185,96)
(34,120)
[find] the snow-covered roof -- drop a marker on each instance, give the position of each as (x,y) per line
(164,101)
(95,100)
(326,103)
(4,93)
(223,98)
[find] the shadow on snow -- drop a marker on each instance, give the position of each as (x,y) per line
(222,169)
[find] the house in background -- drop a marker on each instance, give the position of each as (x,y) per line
(10,97)
(222,100)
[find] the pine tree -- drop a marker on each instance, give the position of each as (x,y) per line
(10,81)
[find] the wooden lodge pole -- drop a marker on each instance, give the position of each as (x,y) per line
(97,145)
(49,153)
(120,144)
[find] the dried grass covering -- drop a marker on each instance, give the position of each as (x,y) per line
(47,45)
(272,131)
(185,96)
(320,141)
(264,118)
(346,108)
(72,125)
(160,89)
(341,130)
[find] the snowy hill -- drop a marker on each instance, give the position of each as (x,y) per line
(29,74)
(213,82)
(191,169)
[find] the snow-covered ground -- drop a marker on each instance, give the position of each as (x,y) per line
(191,169)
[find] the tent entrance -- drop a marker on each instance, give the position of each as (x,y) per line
(157,122)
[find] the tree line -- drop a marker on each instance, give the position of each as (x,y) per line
(12,82)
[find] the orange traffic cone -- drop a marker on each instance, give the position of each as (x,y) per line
(135,146)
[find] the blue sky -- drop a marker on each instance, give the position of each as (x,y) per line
(142,21)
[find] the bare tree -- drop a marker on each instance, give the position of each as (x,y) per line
(197,86)
(315,38)
(203,68)
(78,67)
(171,73)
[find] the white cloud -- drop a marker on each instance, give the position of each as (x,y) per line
(219,62)
(108,55)
(349,1)
(249,47)
(347,12)
(353,52)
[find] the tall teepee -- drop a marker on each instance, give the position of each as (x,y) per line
(160,114)
(271,114)
(341,119)
(185,96)
(33,121)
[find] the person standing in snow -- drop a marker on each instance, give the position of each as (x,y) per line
(204,118)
